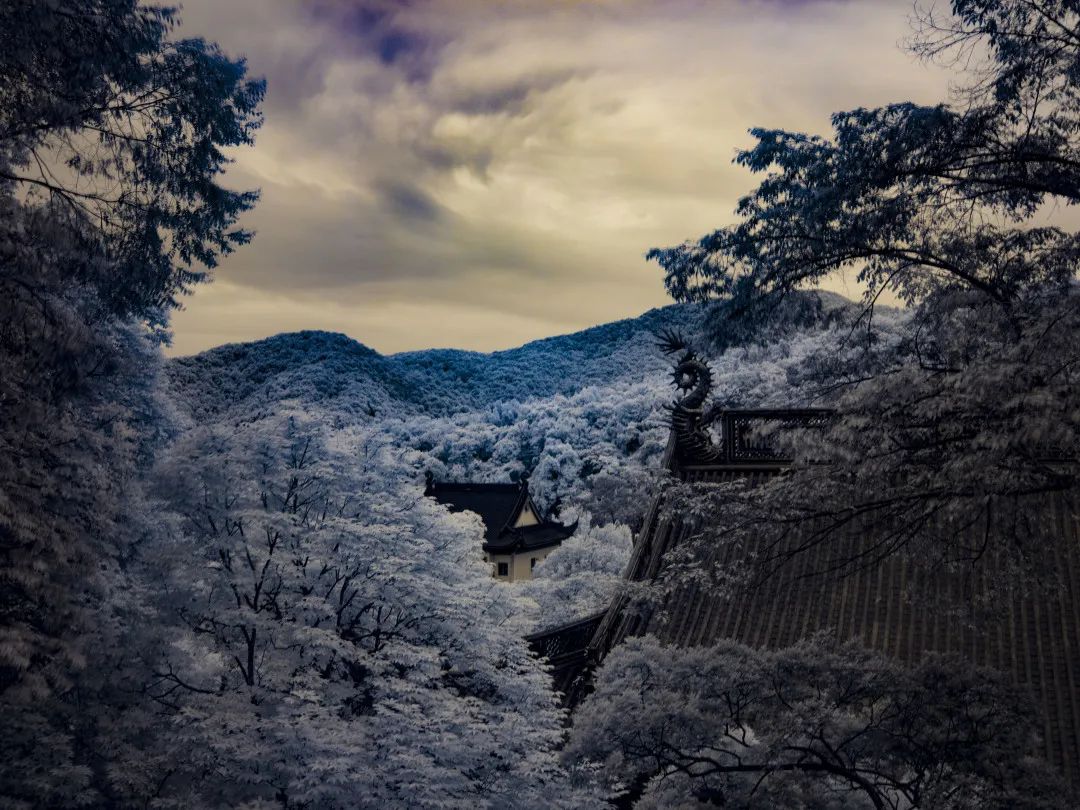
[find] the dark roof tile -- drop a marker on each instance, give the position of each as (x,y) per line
(529,538)
(498,505)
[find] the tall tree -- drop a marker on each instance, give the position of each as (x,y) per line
(972,414)
(111,204)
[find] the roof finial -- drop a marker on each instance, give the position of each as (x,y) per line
(689,419)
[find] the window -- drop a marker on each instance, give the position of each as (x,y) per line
(504,569)
(532,563)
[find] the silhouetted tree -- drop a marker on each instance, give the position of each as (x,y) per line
(957,430)
(818,725)
(111,204)
(116,130)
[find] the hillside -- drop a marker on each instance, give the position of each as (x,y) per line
(336,374)
(582,413)
(340,377)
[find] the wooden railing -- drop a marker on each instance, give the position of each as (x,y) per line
(737,426)
(565,639)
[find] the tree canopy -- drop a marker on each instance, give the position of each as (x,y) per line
(918,200)
(971,415)
(818,725)
(332,637)
(120,130)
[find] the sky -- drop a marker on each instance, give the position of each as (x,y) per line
(450,173)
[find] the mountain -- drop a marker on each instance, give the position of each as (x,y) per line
(336,374)
(584,415)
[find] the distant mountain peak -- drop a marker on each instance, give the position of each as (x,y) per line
(331,372)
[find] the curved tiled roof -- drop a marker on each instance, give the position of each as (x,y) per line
(529,538)
(1035,641)
(498,506)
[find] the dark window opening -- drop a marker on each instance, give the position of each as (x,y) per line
(504,569)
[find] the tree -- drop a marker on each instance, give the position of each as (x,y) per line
(817,725)
(111,203)
(337,641)
(119,131)
(71,517)
(582,575)
(971,415)
(919,200)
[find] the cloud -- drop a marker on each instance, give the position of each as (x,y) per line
(511,160)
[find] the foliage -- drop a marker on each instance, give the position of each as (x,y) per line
(110,160)
(917,199)
(817,725)
(119,129)
(971,414)
(582,575)
(338,641)
(80,413)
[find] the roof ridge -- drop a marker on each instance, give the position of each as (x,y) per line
(488,484)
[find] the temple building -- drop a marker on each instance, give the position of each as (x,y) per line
(1035,642)
(516,536)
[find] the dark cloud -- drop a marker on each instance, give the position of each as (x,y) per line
(381,29)
(409,203)
(507,96)
(394,44)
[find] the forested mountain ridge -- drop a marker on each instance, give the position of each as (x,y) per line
(341,376)
(583,414)
(346,377)
(245,379)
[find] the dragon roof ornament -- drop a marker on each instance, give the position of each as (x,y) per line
(715,435)
(689,419)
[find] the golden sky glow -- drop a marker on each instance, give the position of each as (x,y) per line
(479,174)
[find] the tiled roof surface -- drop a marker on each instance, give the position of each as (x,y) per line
(1034,640)
(529,538)
(498,505)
